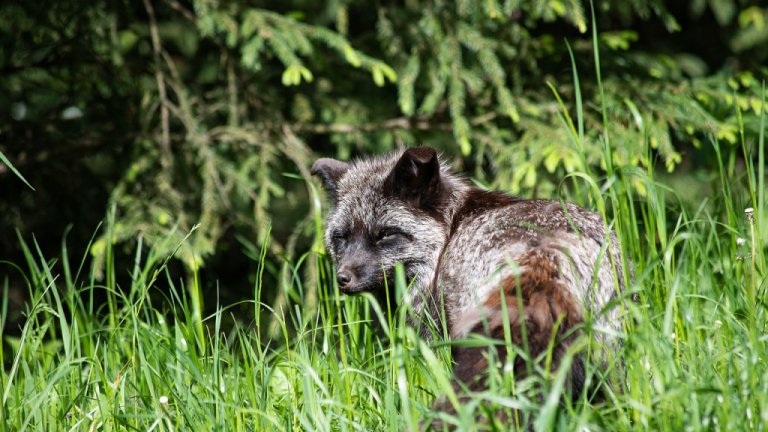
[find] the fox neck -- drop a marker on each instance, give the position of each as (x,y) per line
(424,294)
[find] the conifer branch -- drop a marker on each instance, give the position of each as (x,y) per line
(166,159)
(399,123)
(175,5)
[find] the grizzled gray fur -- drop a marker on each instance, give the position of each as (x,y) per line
(465,249)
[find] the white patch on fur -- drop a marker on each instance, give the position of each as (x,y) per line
(468,320)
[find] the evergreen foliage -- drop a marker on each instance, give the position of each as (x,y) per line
(188,113)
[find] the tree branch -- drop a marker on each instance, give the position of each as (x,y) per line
(399,123)
(181,9)
(166,158)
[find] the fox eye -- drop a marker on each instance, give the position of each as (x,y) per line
(339,234)
(386,234)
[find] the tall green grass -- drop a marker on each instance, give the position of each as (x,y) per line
(694,353)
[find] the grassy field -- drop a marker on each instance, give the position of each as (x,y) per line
(695,346)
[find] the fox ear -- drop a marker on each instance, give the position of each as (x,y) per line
(416,177)
(329,171)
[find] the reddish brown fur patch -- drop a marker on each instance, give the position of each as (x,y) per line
(545,302)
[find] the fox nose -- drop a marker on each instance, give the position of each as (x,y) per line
(343,277)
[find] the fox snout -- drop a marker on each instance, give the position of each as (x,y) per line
(347,280)
(354,278)
(358,267)
(343,278)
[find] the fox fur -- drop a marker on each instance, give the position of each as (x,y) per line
(470,252)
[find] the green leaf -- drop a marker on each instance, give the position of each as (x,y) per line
(294,73)
(380,71)
(378,76)
(389,72)
(351,56)
(551,160)
(408,76)
(465,145)
(127,39)
(13,169)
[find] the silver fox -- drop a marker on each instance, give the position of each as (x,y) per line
(471,252)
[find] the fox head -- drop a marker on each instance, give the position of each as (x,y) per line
(386,210)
